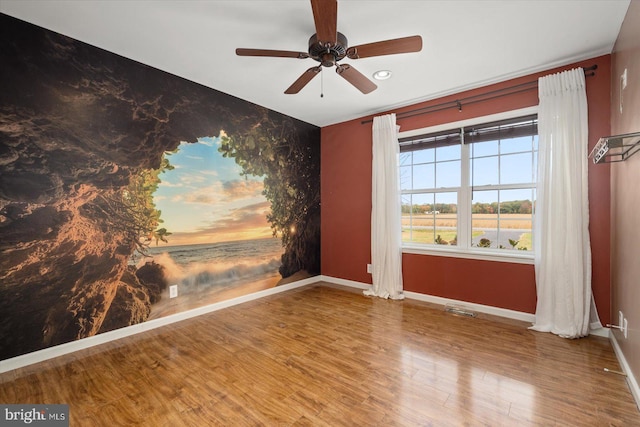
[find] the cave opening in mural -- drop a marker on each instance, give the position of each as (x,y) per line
(215,241)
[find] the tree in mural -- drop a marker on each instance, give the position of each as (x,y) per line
(273,149)
(132,211)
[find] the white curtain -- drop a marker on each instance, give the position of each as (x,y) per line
(386,250)
(562,248)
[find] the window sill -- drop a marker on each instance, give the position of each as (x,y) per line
(517,257)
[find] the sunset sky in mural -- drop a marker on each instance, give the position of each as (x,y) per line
(205,200)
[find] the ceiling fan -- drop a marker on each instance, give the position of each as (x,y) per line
(328,47)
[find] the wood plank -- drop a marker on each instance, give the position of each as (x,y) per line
(327,355)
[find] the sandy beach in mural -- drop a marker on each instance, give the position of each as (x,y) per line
(166,306)
(209,273)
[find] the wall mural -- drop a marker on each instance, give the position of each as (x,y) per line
(118,180)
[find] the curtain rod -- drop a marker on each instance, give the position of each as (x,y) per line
(498,93)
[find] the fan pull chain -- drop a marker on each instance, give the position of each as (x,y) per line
(321,85)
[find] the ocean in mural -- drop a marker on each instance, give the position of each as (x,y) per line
(118,180)
(208,273)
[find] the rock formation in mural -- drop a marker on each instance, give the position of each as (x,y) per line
(76,125)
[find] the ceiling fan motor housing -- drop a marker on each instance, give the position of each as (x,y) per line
(327,46)
(327,54)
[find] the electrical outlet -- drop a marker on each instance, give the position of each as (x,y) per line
(369,268)
(173,291)
(625,327)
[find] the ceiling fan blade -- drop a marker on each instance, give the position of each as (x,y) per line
(356,78)
(303,80)
(386,47)
(272,53)
(325,16)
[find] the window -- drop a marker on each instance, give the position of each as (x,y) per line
(471,188)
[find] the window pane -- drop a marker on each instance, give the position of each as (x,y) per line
(484,219)
(516,168)
(448,174)
(516,145)
(424,156)
(406,217)
(451,152)
(516,219)
(484,202)
(405,159)
(485,171)
(405,177)
(502,219)
(423,176)
(489,148)
(516,201)
(447,202)
(446,218)
(423,202)
(417,223)
(405,205)
(430,218)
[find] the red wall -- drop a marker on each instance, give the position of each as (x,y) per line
(346,204)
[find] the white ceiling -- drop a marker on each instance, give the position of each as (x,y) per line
(466,44)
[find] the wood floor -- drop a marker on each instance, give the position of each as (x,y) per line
(323,355)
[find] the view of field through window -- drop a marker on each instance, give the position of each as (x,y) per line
(497,191)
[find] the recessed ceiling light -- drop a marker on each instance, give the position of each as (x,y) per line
(382,75)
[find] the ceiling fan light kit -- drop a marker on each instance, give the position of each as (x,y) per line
(328,46)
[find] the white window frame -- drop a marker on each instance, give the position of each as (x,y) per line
(464,202)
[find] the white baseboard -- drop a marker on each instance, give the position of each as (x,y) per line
(84,343)
(344,282)
(496,311)
(487,309)
(631,380)
(600,332)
